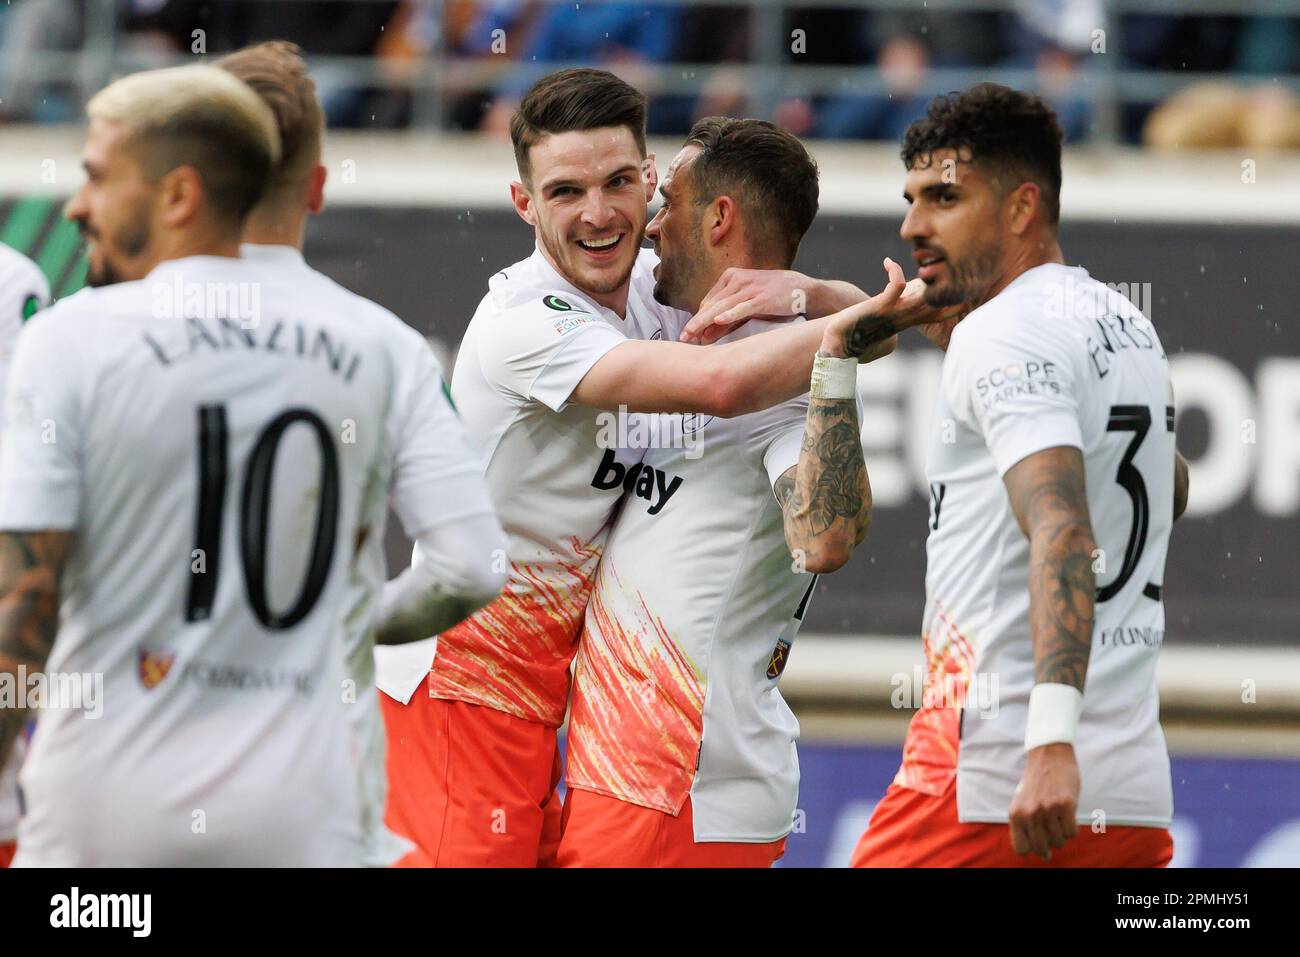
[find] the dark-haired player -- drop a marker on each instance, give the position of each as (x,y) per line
(473,758)
(429,475)
(1052,477)
(681,749)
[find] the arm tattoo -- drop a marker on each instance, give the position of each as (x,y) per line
(837,491)
(868,332)
(1048,497)
(30,566)
(828,495)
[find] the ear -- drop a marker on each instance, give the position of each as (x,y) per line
(180,196)
(649,176)
(722,219)
(316,189)
(1023,204)
(523,203)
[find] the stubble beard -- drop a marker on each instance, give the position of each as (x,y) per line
(598,284)
(971,279)
(131,240)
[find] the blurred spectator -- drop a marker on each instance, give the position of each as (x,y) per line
(32,28)
(903,46)
(904,64)
(1055,39)
(617,36)
(484,31)
(712,35)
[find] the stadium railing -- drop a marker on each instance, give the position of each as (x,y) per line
(1104,83)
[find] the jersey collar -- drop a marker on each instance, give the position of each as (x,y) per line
(551,276)
(272,254)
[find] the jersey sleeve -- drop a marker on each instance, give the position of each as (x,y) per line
(40,455)
(541,353)
(782,436)
(23,292)
(1015,381)
(437,474)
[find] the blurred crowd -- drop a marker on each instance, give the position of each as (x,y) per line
(886,59)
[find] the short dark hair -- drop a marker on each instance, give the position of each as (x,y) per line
(575,99)
(1014,135)
(277,73)
(764,168)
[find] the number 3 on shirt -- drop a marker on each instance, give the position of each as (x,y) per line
(253,516)
(1135,419)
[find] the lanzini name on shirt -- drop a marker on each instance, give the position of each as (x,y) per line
(286,338)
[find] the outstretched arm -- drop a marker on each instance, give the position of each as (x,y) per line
(1050,503)
(755,373)
(724,380)
(31,565)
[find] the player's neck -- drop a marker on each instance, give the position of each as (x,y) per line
(737,258)
(615,301)
(1028,257)
(185,246)
(271,228)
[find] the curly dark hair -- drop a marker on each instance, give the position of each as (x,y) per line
(1015,136)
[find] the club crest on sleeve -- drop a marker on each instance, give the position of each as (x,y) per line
(776,664)
(154,667)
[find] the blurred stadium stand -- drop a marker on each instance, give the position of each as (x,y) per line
(1202,234)
(823,68)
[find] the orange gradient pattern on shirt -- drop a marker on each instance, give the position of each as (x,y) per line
(638,704)
(513,655)
(930,748)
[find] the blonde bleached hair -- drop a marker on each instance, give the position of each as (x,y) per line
(196,116)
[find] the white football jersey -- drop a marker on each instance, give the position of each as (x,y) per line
(1055,359)
(554,473)
(428,473)
(694,611)
(23,290)
(205,434)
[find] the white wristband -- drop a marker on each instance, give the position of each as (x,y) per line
(1053,715)
(834,378)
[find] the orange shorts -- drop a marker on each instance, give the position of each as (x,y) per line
(913,829)
(470,786)
(7,851)
(602,831)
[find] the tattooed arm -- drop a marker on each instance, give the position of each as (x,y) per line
(1050,503)
(31,564)
(826,498)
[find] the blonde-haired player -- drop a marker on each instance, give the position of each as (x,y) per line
(185,539)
